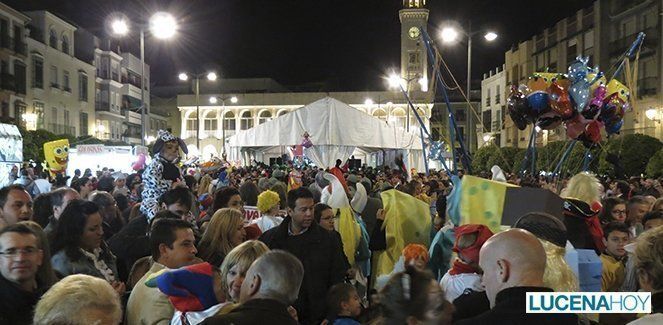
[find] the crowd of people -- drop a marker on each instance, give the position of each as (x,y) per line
(173,245)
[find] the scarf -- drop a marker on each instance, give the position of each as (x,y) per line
(100,264)
(459,267)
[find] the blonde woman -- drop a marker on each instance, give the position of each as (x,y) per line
(235,265)
(77,300)
(224,232)
(582,204)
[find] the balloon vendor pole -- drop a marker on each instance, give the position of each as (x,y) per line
(588,159)
(466,160)
(422,126)
(564,157)
(423,148)
(628,54)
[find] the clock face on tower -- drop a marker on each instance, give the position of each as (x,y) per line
(413,32)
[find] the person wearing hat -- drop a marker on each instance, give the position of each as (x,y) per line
(160,175)
(551,232)
(195,291)
(268,205)
(464,274)
(120,184)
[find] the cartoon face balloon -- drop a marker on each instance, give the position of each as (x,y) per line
(560,102)
(616,87)
(57,155)
(600,81)
(538,96)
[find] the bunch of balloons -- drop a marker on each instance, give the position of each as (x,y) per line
(581,99)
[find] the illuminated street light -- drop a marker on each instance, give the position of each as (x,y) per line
(163,25)
(368,101)
(183,76)
(449,34)
(213,100)
(233,100)
(490,36)
(211,76)
(120,27)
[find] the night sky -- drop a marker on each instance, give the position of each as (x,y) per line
(345,45)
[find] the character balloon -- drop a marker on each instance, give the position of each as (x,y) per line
(560,101)
(538,97)
(57,156)
(517,107)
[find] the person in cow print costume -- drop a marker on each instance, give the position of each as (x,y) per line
(161,173)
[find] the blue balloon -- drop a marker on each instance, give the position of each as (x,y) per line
(538,101)
(613,128)
(436,151)
(579,92)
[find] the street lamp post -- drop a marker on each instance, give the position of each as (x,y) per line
(211,76)
(449,35)
(214,100)
(162,25)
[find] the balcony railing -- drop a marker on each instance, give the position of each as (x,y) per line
(61,129)
(55,85)
(10,43)
(647,86)
(102,106)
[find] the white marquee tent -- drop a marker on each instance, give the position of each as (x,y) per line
(337,131)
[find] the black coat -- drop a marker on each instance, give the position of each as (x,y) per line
(510,307)
(16,304)
(255,311)
(322,256)
(130,244)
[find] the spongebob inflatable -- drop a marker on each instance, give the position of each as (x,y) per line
(57,156)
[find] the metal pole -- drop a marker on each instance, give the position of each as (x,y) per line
(198,114)
(223,121)
(143,107)
(470,116)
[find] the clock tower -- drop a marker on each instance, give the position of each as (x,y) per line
(414,58)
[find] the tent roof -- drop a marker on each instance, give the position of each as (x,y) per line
(328,122)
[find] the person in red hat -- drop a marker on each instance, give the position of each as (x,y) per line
(465,273)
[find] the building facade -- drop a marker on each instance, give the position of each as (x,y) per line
(602,32)
(221,120)
(59,95)
(117,91)
(493,107)
(13,65)
(621,21)
(260,100)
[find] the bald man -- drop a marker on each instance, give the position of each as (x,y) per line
(513,263)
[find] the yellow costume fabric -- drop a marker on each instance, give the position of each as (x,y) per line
(350,233)
(407,221)
(482,202)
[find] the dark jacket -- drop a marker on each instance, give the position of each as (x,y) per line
(510,309)
(255,311)
(16,304)
(322,256)
(369,215)
(130,244)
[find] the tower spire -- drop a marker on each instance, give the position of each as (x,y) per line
(413,4)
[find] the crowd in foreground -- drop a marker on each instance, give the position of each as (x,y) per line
(164,246)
